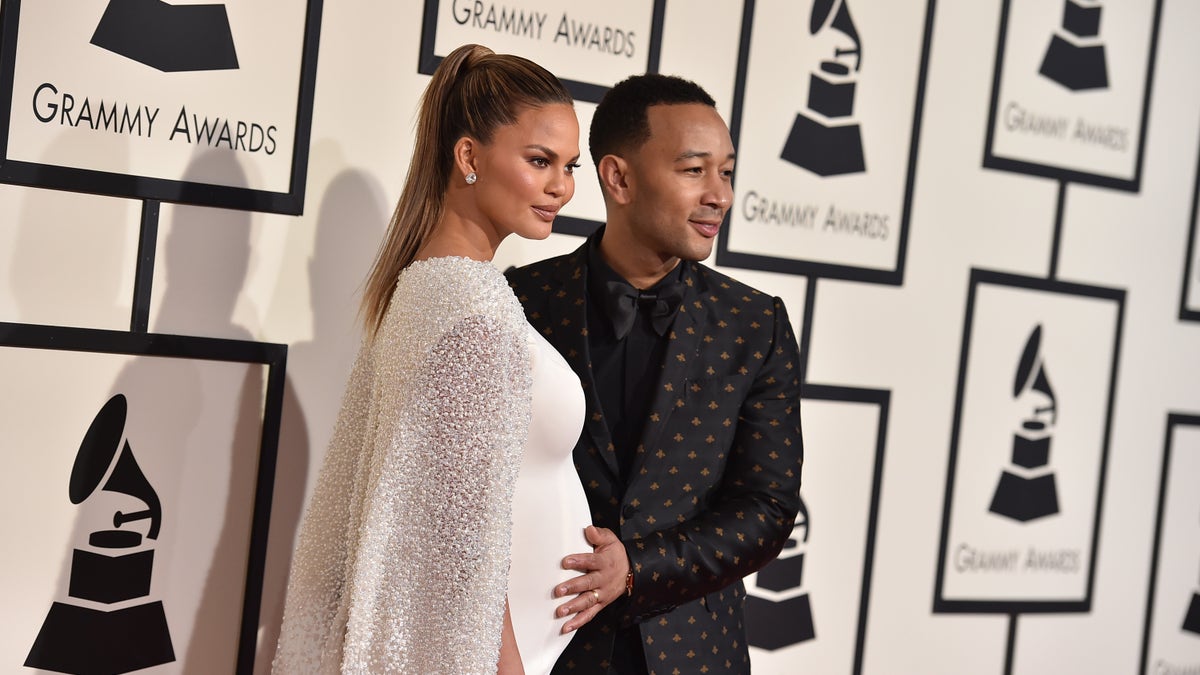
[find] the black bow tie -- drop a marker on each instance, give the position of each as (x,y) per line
(623,302)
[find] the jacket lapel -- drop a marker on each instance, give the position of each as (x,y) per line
(681,358)
(569,301)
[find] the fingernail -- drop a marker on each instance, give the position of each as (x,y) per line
(569,561)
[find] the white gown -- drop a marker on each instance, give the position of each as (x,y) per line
(451,457)
(549,509)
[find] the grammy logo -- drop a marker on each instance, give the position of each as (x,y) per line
(821,139)
(1191,620)
(1075,57)
(1027,490)
(113,630)
(772,625)
(169,38)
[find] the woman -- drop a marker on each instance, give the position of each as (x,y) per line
(455,407)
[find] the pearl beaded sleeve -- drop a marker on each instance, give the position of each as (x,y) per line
(403,558)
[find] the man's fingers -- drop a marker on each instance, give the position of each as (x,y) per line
(578,621)
(599,536)
(580,603)
(585,606)
(583,562)
(580,584)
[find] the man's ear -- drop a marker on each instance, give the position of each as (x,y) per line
(464,156)
(614,178)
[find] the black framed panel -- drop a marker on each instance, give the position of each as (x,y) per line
(827,153)
(1172,626)
(1071,90)
(580,227)
(590,47)
(808,608)
(118,97)
(1029,445)
(1189,297)
(147,470)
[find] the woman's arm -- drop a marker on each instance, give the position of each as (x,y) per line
(460,452)
(510,656)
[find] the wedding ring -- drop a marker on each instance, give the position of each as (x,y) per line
(596,595)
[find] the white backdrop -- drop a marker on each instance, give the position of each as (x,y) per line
(886,350)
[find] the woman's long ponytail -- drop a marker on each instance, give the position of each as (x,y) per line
(420,205)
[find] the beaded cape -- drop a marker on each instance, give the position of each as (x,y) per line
(403,556)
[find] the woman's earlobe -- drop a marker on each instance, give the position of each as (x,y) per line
(464,158)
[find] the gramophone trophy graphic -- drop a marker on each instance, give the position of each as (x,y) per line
(112,628)
(1075,58)
(170,38)
(1191,621)
(775,624)
(1027,490)
(824,139)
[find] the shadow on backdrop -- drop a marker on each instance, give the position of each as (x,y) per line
(67,269)
(350,222)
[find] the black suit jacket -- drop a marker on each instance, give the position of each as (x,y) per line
(714,489)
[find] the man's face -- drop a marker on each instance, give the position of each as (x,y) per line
(680,181)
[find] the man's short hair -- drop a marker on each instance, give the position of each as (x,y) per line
(620,122)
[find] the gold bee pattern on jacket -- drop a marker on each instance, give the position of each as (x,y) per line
(715,483)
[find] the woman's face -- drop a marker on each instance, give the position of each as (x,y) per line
(525,172)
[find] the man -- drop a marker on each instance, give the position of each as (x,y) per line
(691,450)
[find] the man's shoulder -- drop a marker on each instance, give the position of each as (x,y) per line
(723,285)
(538,268)
(549,272)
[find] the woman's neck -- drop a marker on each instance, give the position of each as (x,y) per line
(457,234)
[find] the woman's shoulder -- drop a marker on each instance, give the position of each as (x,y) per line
(440,293)
(452,282)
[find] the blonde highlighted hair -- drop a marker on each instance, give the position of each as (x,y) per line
(473,92)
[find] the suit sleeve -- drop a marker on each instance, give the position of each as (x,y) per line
(750,514)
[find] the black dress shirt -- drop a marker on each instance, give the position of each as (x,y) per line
(624,369)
